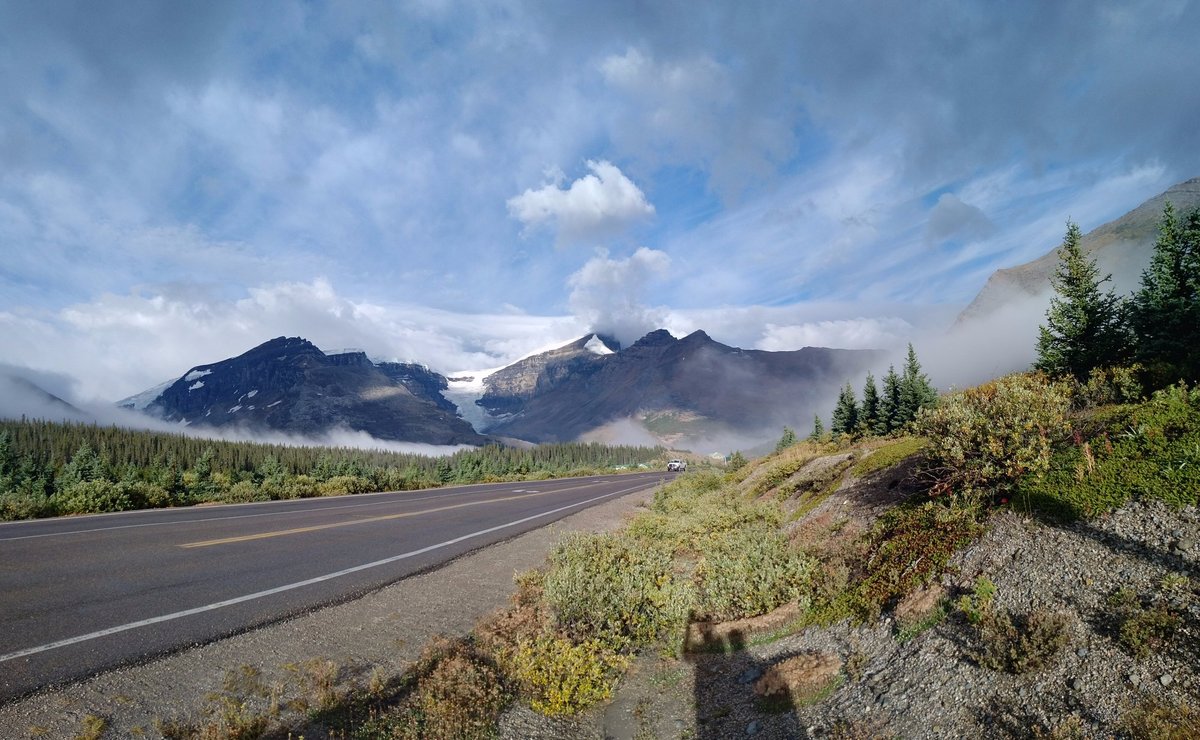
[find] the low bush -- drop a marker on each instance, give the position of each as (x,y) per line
(1141,627)
(749,571)
(564,677)
(1161,719)
(459,694)
(1019,643)
(621,592)
(91,496)
(983,440)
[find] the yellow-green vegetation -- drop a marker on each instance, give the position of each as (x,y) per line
(889,455)
(1019,643)
(977,604)
(459,693)
(747,571)
(1142,626)
(984,440)
(93,728)
(561,676)
(617,591)
(1159,719)
(1149,449)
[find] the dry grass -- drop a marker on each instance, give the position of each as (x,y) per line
(801,679)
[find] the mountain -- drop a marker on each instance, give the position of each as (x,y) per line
(1122,247)
(20,396)
(289,385)
(676,391)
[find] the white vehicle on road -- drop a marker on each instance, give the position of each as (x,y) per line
(676,466)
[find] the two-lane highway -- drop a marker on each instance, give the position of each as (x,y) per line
(84,594)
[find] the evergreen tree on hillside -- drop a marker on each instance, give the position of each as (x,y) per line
(889,404)
(787,440)
(915,389)
(1165,311)
(818,429)
(1084,328)
(868,417)
(845,414)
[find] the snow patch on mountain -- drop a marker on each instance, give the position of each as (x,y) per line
(196,375)
(596,346)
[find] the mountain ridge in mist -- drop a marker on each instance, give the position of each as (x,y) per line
(681,392)
(1122,247)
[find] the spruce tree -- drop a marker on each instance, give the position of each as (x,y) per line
(915,389)
(845,414)
(889,404)
(818,429)
(868,417)
(1165,311)
(787,440)
(1084,328)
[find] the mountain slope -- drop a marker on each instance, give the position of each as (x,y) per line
(678,390)
(1122,247)
(289,385)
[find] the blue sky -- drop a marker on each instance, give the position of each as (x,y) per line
(461,183)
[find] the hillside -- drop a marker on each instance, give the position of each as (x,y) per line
(1121,247)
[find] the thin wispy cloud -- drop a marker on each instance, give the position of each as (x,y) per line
(183,180)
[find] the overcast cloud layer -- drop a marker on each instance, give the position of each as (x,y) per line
(460,184)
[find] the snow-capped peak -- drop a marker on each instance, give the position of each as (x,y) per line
(596,346)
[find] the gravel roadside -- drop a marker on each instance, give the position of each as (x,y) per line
(385,629)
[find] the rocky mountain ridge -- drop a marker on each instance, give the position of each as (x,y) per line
(677,390)
(1121,247)
(289,385)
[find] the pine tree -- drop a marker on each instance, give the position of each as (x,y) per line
(845,414)
(868,417)
(915,390)
(787,440)
(818,429)
(1165,311)
(1084,327)
(889,404)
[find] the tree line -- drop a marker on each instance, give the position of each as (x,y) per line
(50,468)
(1157,328)
(881,412)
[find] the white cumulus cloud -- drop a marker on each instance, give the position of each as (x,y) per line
(860,333)
(608,294)
(595,206)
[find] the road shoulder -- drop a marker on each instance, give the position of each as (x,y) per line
(385,630)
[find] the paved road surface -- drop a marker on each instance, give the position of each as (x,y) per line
(83,594)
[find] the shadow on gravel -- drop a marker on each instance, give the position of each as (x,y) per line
(725,703)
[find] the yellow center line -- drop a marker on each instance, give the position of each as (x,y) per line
(368,520)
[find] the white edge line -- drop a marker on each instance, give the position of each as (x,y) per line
(291,586)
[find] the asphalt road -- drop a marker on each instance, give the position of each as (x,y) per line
(80,595)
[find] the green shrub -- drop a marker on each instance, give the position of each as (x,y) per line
(1149,450)
(91,497)
(244,492)
(344,484)
(1022,642)
(983,440)
(25,502)
(621,592)
(1141,628)
(562,677)
(1106,386)
(978,604)
(749,571)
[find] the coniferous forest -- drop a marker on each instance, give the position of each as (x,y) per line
(53,468)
